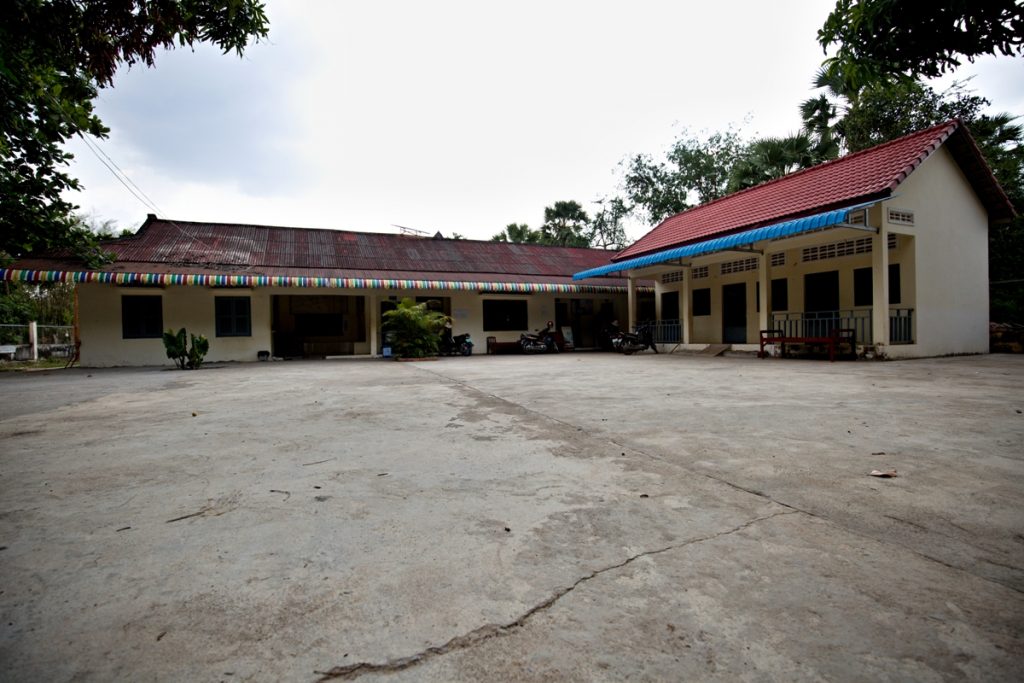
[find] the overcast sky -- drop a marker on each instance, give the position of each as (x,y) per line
(459,117)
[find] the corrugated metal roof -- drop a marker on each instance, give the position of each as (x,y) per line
(165,246)
(870,174)
(186,242)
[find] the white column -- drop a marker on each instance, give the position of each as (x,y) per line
(880,290)
(631,303)
(762,276)
(684,306)
(373,321)
(33,339)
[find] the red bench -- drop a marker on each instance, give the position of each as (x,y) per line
(833,340)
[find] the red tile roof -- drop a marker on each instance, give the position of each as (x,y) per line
(169,246)
(870,174)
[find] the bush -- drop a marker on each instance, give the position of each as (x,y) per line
(178,349)
(414,328)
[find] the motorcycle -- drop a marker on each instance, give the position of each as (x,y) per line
(543,341)
(458,345)
(630,342)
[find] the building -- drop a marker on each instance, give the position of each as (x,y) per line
(891,242)
(298,292)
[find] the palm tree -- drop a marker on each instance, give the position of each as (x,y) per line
(565,224)
(823,114)
(770,158)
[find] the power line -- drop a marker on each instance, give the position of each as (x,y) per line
(121,176)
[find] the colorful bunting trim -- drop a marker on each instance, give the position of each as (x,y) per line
(192,280)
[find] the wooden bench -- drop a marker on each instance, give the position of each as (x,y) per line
(834,338)
(495,346)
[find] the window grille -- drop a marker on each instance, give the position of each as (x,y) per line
(892,241)
(700,272)
(823,252)
(778,259)
(739,266)
(901,217)
(674,276)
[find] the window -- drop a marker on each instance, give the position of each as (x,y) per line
(504,315)
(863,288)
(894,284)
(674,276)
(142,317)
(780,294)
(234,317)
(699,272)
(702,301)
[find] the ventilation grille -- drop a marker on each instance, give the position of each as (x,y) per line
(674,276)
(858,217)
(837,249)
(901,217)
(700,272)
(739,266)
(847,248)
(778,259)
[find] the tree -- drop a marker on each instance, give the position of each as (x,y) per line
(823,114)
(53,303)
(519,233)
(880,39)
(566,225)
(769,158)
(1002,142)
(886,111)
(55,55)
(606,230)
(414,329)
(695,170)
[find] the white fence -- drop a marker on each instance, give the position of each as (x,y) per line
(34,341)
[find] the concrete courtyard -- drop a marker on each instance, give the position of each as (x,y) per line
(552,518)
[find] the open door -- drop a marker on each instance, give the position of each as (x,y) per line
(734,313)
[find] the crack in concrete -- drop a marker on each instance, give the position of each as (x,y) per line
(489,631)
(733,485)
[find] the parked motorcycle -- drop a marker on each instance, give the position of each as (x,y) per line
(542,341)
(630,342)
(458,345)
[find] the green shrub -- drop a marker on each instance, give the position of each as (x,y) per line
(414,329)
(178,349)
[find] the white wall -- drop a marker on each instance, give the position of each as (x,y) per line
(193,308)
(188,307)
(951,248)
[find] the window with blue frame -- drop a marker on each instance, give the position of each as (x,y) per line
(234,316)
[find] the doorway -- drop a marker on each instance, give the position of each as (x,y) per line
(734,313)
(315,326)
(670,305)
(821,291)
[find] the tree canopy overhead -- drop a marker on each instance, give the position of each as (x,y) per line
(54,56)
(889,38)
